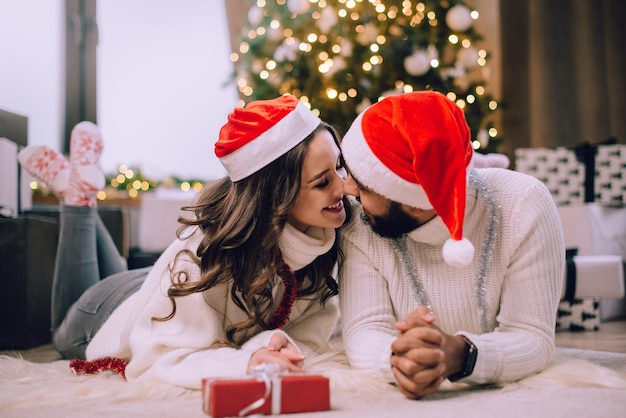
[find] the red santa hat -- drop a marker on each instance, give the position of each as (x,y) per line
(415,149)
(261,132)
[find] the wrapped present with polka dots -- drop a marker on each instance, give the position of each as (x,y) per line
(610,175)
(585,173)
(578,315)
(558,168)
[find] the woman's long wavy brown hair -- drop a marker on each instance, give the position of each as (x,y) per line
(242,222)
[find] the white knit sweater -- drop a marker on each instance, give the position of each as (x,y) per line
(520,293)
(178,351)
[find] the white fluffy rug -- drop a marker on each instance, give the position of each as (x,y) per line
(578,383)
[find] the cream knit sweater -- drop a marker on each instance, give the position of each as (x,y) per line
(520,292)
(179,351)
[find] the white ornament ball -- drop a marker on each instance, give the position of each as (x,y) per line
(468,57)
(286,52)
(459,18)
(369,34)
(417,64)
(298,6)
(346,48)
(338,64)
(257,66)
(255,15)
(274,34)
(280,53)
(328,19)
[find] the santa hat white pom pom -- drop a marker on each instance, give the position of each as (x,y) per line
(458,253)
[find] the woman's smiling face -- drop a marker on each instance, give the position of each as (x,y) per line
(320,202)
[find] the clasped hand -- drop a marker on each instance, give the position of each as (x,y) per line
(279,351)
(422,355)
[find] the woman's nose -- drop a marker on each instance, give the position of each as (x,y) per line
(350,187)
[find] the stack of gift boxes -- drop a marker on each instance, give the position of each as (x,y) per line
(588,184)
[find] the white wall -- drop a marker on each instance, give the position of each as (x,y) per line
(161,67)
(160,96)
(32,66)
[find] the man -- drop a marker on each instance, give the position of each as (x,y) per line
(464,274)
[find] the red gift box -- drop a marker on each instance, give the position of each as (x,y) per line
(267,395)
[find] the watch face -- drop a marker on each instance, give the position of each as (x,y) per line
(472,353)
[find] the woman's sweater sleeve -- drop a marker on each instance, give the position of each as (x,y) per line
(367,315)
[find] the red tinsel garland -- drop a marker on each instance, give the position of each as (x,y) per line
(281,316)
(99,365)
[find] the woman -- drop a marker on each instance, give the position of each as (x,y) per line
(249,279)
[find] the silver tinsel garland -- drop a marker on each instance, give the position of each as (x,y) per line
(485,256)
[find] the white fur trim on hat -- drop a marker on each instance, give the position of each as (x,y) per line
(271,144)
(367,169)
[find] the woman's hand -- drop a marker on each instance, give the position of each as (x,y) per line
(279,351)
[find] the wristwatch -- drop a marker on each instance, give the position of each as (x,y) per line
(471,352)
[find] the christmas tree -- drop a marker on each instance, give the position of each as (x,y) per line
(339,56)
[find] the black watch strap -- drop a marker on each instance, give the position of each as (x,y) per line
(470,361)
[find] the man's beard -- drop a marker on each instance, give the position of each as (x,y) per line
(393,224)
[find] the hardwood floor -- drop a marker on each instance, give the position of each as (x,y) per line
(610,337)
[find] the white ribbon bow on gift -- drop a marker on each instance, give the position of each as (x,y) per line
(270,374)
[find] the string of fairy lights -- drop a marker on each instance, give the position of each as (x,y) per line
(129,183)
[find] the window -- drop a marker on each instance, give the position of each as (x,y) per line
(80,59)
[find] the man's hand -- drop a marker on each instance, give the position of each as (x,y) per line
(417,356)
(423,356)
(279,351)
